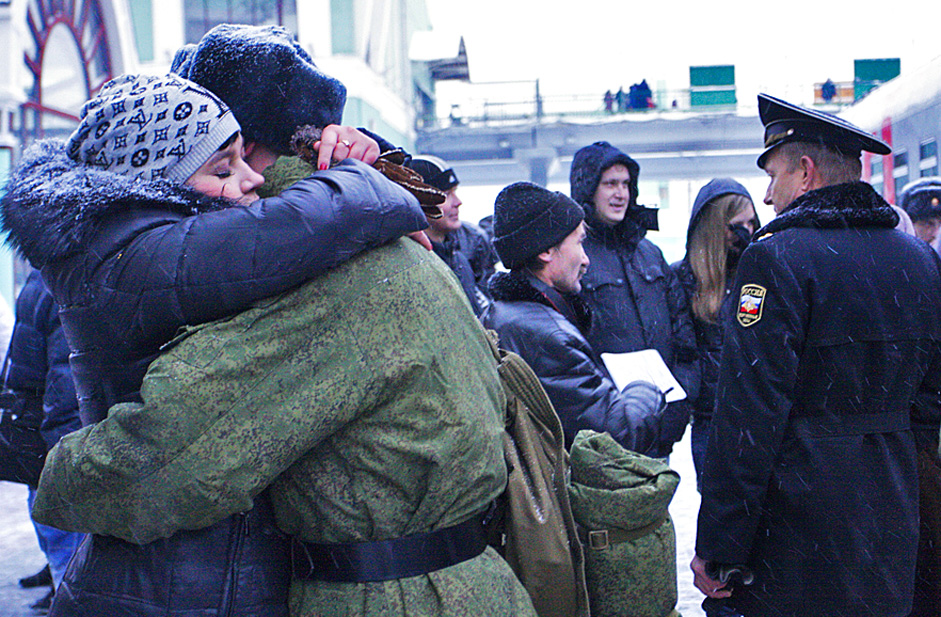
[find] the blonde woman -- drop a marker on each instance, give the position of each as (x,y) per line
(722,222)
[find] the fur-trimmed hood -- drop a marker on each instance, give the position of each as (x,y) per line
(52,203)
(515,286)
(841,206)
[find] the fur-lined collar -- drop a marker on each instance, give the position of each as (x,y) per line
(54,204)
(516,286)
(841,206)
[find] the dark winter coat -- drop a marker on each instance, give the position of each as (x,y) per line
(38,362)
(449,251)
(476,245)
(708,344)
(526,316)
(830,375)
(130,262)
(637,303)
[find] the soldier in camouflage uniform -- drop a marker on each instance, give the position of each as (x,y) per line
(367,400)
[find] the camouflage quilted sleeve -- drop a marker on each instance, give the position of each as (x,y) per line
(286,171)
(207,438)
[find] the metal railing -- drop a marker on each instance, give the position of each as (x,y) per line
(502,103)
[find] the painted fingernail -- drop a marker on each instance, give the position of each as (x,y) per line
(323,166)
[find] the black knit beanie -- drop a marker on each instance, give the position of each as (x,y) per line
(528,219)
(588,165)
(921,199)
(266,78)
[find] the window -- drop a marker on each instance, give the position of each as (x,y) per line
(928,155)
(927,149)
(900,169)
(68,60)
(202,15)
(6,162)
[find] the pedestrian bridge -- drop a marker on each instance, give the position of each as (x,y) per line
(668,145)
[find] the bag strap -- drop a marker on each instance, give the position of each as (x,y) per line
(602,539)
(518,379)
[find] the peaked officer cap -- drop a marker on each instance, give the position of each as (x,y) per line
(785,123)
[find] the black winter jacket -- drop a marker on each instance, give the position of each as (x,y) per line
(38,361)
(637,303)
(526,316)
(708,344)
(474,243)
(449,252)
(129,263)
(830,374)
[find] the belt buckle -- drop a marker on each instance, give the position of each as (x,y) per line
(598,540)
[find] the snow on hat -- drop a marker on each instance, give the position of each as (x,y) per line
(434,171)
(528,219)
(589,163)
(266,78)
(151,127)
(921,198)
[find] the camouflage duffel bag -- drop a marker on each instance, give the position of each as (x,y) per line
(620,500)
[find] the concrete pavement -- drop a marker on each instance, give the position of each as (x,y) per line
(19,553)
(684,509)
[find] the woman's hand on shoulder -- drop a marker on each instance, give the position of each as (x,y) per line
(345,142)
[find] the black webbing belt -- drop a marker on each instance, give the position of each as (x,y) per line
(360,562)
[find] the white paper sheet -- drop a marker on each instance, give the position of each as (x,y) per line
(646,365)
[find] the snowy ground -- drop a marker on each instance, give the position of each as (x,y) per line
(684,509)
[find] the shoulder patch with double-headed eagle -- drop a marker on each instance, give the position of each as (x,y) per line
(751,303)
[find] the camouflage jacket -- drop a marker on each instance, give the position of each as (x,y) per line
(367,399)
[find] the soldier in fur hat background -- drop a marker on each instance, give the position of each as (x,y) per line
(829,390)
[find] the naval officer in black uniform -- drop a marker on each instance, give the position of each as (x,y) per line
(829,382)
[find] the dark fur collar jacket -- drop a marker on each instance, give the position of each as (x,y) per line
(517,287)
(841,206)
(53,203)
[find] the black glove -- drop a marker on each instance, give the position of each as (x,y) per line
(739,244)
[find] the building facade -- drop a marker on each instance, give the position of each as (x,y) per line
(58,53)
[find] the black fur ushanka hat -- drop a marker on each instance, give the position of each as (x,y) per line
(266,78)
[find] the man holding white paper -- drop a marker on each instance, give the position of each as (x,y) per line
(537,314)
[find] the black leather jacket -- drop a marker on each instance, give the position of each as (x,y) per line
(528,317)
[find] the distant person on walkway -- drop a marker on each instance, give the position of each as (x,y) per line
(636,300)
(828,91)
(621,99)
(829,392)
(538,314)
(608,102)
